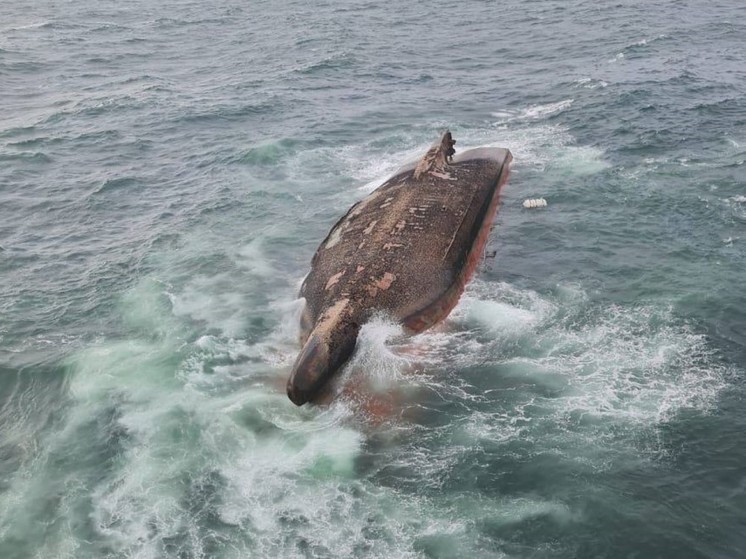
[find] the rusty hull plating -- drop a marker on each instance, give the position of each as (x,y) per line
(407,250)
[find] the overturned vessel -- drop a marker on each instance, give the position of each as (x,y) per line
(406,250)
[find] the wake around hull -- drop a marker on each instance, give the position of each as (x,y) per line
(407,250)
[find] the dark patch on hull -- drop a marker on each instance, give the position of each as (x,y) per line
(407,250)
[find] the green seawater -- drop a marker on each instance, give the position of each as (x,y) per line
(167,170)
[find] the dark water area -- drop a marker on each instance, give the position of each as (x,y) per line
(166,173)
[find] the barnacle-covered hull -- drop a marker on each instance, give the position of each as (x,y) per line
(406,250)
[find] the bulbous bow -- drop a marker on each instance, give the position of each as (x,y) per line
(328,347)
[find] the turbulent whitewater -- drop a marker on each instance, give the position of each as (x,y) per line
(167,171)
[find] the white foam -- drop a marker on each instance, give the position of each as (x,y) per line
(374,355)
(209,407)
(533,144)
(498,316)
(547,148)
(594,381)
(146,307)
(533,112)
(252,258)
(202,300)
(580,161)
(282,474)
(591,83)
(503,115)
(360,162)
(142,502)
(736,205)
(541,111)
(34,25)
(377,170)
(492,300)
(733,142)
(645,42)
(626,368)
(375,183)
(514,511)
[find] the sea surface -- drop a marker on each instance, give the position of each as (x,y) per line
(167,170)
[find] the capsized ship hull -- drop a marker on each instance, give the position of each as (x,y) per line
(406,250)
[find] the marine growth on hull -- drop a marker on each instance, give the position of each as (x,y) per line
(407,251)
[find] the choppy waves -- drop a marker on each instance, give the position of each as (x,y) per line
(200,453)
(165,180)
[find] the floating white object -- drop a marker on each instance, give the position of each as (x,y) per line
(534,203)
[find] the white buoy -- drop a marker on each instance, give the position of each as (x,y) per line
(534,203)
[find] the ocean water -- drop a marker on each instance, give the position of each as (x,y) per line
(167,170)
